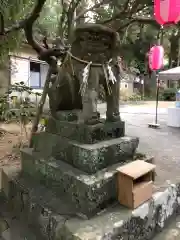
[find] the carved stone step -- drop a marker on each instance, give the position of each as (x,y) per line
(68,116)
(84,133)
(31,203)
(89,193)
(18,230)
(89,158)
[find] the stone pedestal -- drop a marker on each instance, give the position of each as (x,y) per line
(79,160)
(87,157)
(86,134)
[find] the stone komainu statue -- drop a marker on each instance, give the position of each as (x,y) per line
(91,61)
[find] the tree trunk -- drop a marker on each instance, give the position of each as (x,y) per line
(178,58)
(81,7)
(40,106)
(174,48)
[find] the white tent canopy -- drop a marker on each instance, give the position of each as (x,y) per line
(170,74)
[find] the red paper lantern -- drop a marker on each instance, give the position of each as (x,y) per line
(167,11)
(156,57)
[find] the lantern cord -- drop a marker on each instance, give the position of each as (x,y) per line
(160,36)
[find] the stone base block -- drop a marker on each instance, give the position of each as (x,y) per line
(34,205)
(46,214)
(87,157)
(88,193)
(84,133)
(68,116)
(120,223)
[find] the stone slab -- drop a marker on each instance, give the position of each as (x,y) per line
(18,230)
(37,206)
(171,232)
(115,222)
(89,158)
(88,193)
(68,116)
(120,223)
(84,133)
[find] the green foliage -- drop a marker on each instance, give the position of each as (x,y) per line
(12,11)
(18,108)
(102,94)
(4,105)
(47,23)
(135,97)
(103,13)
(168,94)
(15,10)
(136,45)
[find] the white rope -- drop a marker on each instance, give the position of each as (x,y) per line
(87,69)
(84,84)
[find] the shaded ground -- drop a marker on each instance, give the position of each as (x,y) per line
(172,232)
(162,143)
(10,143)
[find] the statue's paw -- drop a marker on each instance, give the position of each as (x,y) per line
(113,118)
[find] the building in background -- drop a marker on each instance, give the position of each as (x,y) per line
(24,66)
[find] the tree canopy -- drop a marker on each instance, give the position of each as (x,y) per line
(43,20)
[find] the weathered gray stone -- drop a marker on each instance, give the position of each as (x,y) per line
(68,116)
(40,209)
(120,223)
(3,225)
(88,193)
(54,218)
(84,133)
(87,157)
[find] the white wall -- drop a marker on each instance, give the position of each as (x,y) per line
(21,73)
(128,87)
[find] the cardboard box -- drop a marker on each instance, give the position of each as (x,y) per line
(135,183)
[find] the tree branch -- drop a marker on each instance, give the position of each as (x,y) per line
(144,21)
(76,4)
(1,24)
(45,43)
(97,5)
(28,26)
(21,24)
(134,7)
(62,19)
(126,5)
(126,12)
(49,55)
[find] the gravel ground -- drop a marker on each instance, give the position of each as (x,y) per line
(172,232)
(10,143)
(161,143)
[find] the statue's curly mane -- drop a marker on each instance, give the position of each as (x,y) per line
(94,42)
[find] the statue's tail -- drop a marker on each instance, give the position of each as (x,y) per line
(71,83)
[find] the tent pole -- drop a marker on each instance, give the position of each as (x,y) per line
(160,42)
(157,96)
(155,124)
